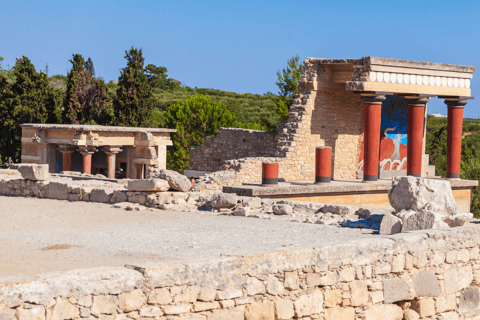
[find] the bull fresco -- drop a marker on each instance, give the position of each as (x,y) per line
(393,135)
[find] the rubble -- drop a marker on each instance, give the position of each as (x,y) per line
(176,180)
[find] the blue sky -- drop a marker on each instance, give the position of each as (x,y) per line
(239,45)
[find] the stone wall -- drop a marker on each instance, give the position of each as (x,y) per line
(431,275)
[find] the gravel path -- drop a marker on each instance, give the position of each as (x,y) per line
(43,235)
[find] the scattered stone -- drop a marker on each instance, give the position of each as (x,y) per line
(58,190)
(102,195)
(224,200)
(405,214)
(459,220)
(119,196)
(241,212)
(35,172)
(250,202)
(175,180)
(339,209)
(419,221)
(282,209)
(390,224)
(148,185)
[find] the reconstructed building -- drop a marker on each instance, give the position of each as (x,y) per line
(112,151)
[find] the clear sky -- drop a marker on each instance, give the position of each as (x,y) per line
(240,45)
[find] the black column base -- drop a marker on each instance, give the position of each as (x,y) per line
(414,175)
(370,177)
(269,180)
(453,175)
(323,179)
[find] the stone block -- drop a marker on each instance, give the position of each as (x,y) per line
(58,190)
(339,314)
(410,314)
(313,280)
(205,306)
(347,275)
(148,185)
(395,290)
(424,307)
(7,314)
(101,195)
(35,172)
(309,304)
(207,294)
(426,284)
(260,311)
(390,224)
(85,301)
(458,220)
(138,198)
(224,200)
(284,308)
(274,286)
(339,209)
(291,280)
(332,298)
(104,305)
(63,310)
(32,313)
(456,279)
(383,312)
(398,263)
(160,296)
(446,303)
(282,209)
(175,180)
(469,299)
(177,309)
(229,314)
(254,286)
(376,297)
(228,293)
(330,278)
(131,301)
(359,293)
(150,312)
(421,220)
(119,196)
(252,203)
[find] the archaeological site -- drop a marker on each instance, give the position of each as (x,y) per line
(338,215)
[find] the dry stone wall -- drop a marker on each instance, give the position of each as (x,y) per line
(323,113)
(426,275)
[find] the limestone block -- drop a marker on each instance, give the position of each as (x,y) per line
(32,313)
(438,258)
(58,190)
(309,304)
(395,290)
(457,279)
(421,220)
(260,311)
(35,172)
(119,196)
(469,299)
(62,310)
(207,294)
(104,305)
(359,293)
(474,253)
(85,301)
(410,314)
(424,307)
(390,224)
(330,279)
(383,312)
(230,314)
(241,212)
(188,295)
(159,296)
(347,275)
(446,303)
(451,256)
(307,208)
(131,301)
(138,198)
(177,309)
(426,284)
(332,298)
(339,209)
(252,203)
(398,263)
(175,180)
(85,312)
(411,193)
(254,286)
(282,209)
(459,220)
(244,300)
(148,185)
(284,308)
(274,286)
(454,316)
(205,306)
(291,280)
(150,312)
(313,280)
(339,314)
(228,293)
(376,297)
(102,195)
(227,303)
(224,200)
(7,314)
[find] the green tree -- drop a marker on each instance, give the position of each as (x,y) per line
(134,92)
(71,99)
(158,77)
(194,118)
(30,99)
(287,84)
(89,66)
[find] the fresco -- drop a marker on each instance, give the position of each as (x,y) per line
(393,146)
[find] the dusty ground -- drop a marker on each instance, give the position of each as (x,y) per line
(43,235)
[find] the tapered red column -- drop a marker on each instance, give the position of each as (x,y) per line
(67,157)
(416,121)
(87,159)
(454,137)
(371,136)
(111,156)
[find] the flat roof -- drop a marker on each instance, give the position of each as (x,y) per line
(84,127)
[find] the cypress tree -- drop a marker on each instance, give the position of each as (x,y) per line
(89,66)
(134,93)
(71,99)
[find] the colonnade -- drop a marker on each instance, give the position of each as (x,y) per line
(416,120)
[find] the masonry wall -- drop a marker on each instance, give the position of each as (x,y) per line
(426,275)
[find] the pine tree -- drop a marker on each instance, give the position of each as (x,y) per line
(134,93)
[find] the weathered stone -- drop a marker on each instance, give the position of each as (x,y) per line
(284,309)
(254,286)
(469,299)
(412,193)
(339,314)
(119,196)
(405,214)
(230,314)
(32,313)
(228,293)
(260,311)
(347,275)
(224,200)
(409,314)
(446,303)
(424,307)
(274,286)
(330,279)
(457,279)
(150,312)
(176,180)
(426,284)
(138,198)
(307,208)
(102,195)
(332,298)
(63,310)
(159,296)
(35,172)
(148,185)
(85,312)
(241,212)
(85,301)
(376,297)
(359,293)
(207,294)
(458,220)
(313,280)
(291,280)
(383,312)
(58,190)
(104,305)
(339,209)
(7,314)
(395,290)
(130,301)
(177,309)
(398,263)
(244,300)
(282,209)
(205,306)
(252,203)
(421,220)
(188,295)
(390,224)
(308,304)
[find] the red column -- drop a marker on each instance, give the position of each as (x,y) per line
(111,155)
(87,159)
(454,137)
(323,164)
(269,173)
(371,137)
(416,121)
(67,157)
